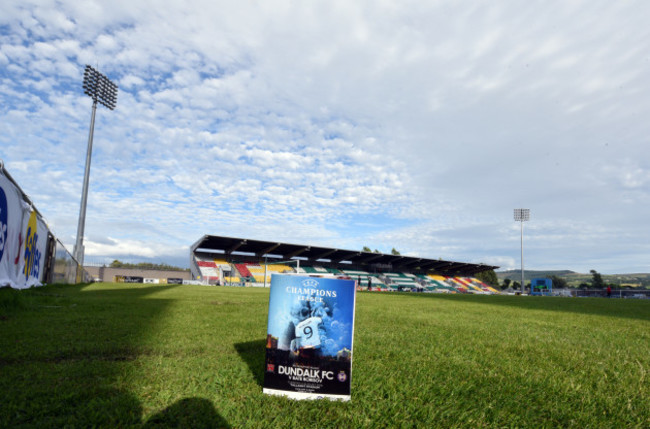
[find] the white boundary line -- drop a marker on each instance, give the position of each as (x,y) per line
(303,395)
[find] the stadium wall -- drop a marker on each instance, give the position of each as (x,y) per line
(109,274)
(30,255)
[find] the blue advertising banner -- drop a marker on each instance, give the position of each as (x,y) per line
(309,337)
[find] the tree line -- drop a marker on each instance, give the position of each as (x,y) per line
(490,278)
(392,252)
(597,282)
(145,266)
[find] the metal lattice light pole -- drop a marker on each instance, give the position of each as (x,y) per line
(522,215)
(100,89)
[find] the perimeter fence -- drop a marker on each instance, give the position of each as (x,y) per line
(616,293)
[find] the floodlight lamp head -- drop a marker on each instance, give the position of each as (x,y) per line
(522,215)
(99,88)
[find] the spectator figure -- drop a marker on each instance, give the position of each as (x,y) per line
(609,291)
(369,284)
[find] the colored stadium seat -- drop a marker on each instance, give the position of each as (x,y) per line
(243,270)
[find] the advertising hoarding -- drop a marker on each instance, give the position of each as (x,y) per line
(23,239)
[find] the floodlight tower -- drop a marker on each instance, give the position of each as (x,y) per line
(99,88)
(522,215)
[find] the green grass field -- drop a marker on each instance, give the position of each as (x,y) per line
(111,355)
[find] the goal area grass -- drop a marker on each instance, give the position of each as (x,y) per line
(117,355)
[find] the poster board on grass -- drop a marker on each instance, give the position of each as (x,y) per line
(309,337)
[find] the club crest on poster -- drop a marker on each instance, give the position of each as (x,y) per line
(309,337)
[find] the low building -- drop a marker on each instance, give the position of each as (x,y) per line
(109,274)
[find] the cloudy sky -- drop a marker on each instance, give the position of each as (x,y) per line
(418,125)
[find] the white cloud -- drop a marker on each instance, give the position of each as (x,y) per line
(417,126)
(131,247)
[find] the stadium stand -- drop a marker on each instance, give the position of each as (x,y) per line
(210,272)
(362,278)
(467,284)
(456,285)
(441,284)
(376,283)
(222,263)
(244,272)
(484,287)
(245,261)
(402,281)
(257,271)
(280,268)
(431,285)
(353,273)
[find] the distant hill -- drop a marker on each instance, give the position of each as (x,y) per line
(515,275)
(574,279)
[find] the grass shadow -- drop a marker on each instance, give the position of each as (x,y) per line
(63,351)
(193,413)
(253,353)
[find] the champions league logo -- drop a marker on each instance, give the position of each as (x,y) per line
(309,291)
(310,283)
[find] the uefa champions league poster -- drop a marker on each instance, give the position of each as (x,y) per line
(309,337)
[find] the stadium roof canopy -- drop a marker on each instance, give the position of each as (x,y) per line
(239,248)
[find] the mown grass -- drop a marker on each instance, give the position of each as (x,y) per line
(110,355)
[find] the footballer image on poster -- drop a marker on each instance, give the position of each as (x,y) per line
(309,337)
